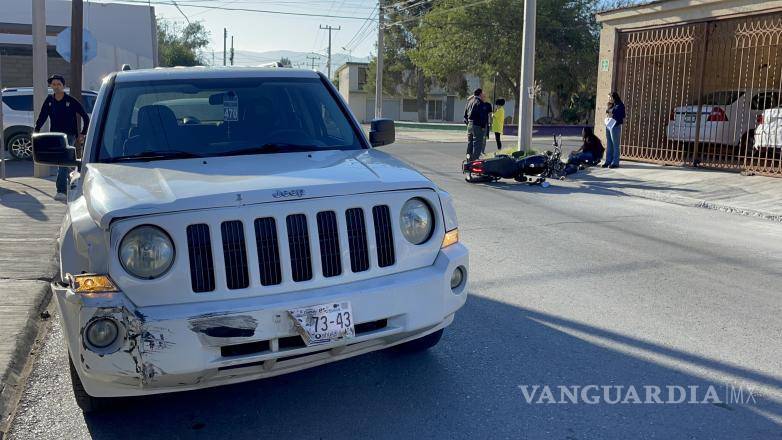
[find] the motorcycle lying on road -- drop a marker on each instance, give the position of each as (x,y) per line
(533,169)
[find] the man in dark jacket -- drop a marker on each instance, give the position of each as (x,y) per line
(476,116)
(61,110)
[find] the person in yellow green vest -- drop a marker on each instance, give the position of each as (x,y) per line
(498,121)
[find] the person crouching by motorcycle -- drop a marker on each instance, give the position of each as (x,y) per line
(476,116)
(498,121)
(590,152)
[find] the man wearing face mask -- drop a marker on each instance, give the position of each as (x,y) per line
(61,110)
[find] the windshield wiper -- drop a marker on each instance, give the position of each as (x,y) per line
(271,148)
(156,155)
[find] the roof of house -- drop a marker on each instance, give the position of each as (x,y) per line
(350,63)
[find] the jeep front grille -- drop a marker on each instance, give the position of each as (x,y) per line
(268,251)
(357,239)
(272,256)
(330,257)
(299,245)
(199,247)
(383,236)
(235,254)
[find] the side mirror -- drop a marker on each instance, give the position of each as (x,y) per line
(382,132)
(53,149)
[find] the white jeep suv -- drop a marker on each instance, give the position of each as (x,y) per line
(226,225)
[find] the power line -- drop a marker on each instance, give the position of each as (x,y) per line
(370,31)
(363,27)
(261,11)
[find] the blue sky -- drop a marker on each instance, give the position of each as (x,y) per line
(255,31)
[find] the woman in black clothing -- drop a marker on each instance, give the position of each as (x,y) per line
(590,152)
(615,116)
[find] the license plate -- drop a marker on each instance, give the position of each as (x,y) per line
(689,118)
(324,323)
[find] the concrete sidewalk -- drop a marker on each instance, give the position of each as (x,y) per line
(29,224)
(757,196)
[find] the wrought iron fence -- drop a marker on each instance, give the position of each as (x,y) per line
(705,94)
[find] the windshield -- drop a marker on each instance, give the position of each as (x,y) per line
(214,117)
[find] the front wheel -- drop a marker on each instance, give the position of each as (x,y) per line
(420,344)
(87,403)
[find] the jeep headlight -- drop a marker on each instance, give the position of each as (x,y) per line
(416,221)
(146,252)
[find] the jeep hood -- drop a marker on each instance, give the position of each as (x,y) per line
(120,190)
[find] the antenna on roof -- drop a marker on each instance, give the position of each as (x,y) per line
(125,67)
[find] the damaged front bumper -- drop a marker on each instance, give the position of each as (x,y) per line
(190,346)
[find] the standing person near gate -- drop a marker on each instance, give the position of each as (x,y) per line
(615,116)
(61,110)
(476,116)
(498,121)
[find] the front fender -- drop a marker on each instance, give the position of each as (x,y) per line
(84,246)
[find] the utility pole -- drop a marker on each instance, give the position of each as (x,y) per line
(328,63)
(312,60)
(225,48)
(527,90)
(232,50)
(40,68)
(77,47)
(379,73)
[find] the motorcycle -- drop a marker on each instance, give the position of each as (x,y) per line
(533,169)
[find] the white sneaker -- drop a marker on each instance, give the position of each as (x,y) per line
(60,197)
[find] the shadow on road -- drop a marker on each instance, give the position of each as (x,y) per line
(468,386)
(590,184)
(24,202)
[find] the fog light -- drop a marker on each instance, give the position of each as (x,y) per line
(101,332)
(457,277)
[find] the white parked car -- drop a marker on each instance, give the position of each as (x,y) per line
(19,119)
(728,117)
(768,133)
(227,225)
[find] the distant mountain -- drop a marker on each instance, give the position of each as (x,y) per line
(299,59)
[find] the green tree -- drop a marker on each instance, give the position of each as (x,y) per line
(286,62)
(400,74)
(181,46)
(486,38)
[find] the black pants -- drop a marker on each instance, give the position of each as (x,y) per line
(499,142)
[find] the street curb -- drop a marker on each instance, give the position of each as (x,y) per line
(700,203)
(14,377)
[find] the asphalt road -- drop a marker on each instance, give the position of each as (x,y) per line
(571,286)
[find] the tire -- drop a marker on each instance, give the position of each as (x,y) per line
(20,146)
(420,344)
(87,403)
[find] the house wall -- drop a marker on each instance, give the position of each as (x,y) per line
(125,34)
(658,14)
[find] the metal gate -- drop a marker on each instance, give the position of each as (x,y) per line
(704,94)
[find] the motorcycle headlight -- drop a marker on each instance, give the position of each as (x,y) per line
(146,252)
(416,221)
